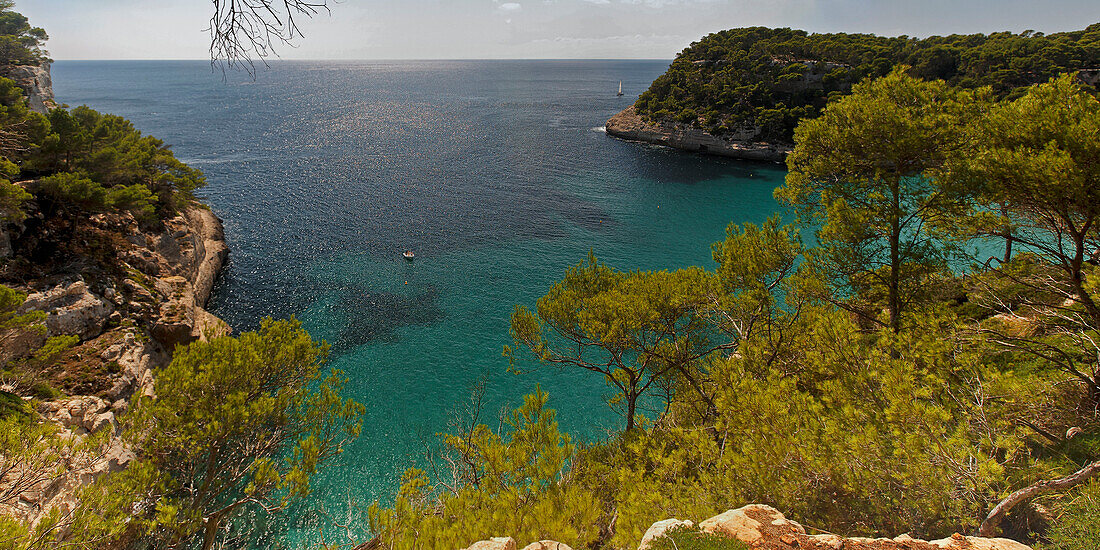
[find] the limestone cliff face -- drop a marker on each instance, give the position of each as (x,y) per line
(629,125)
(762,527)
(36,84)
(129,317)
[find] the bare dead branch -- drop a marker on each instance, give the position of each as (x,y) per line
(244,31)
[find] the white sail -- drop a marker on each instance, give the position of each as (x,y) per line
(620,87)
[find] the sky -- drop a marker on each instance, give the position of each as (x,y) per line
(525,29)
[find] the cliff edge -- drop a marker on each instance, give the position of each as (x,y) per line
(629,125)
(36,84)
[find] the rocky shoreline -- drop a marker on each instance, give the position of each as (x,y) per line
(761,527)
(628,125)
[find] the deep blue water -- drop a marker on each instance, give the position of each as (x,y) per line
(496,173)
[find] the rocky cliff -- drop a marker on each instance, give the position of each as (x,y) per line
(36,83)
(129,309)
(629,125)
(762,527)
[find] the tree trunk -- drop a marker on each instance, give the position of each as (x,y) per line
(631,405)
(210,532)
(989,526)
(1077,279)
(895,261)
(1008,247)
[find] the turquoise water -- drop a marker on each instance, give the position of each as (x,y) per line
(497,174)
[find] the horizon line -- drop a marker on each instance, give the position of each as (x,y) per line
(260,63)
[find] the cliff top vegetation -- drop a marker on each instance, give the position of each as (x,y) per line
(773,78)
(20,43)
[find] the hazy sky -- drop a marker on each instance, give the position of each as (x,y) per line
(455,29)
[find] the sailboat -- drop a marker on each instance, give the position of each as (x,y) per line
(620,88)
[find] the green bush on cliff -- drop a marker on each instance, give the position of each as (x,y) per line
(107,151)
(20,44)
(237,424)
(511,483)
(682,538)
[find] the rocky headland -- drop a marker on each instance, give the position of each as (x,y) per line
(123,294)
(627,124)
(128,321)
(761,527)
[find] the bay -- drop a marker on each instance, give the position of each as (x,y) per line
(496,173)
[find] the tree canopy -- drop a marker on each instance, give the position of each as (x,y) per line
(236,423)
(20,43)
(772,78)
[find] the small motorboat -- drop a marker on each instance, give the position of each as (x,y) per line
(408,254)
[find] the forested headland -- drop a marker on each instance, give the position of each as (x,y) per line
(768,80)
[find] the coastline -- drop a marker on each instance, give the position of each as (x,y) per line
(629,126)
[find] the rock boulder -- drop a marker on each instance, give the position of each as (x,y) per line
(495,543)
(70,309)
(765,528)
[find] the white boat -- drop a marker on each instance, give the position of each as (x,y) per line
(620,88)
(408,254)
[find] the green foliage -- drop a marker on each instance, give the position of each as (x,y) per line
(1033,180)
(20,44)
(862,173)
(1076,527)
(637,329)
(114,162)
(920,422)
(34,456)
(53,348)
(773,78)
(682,538)
(510,483)
(237,423)
(21,129)
(24,373)
(10,300)
(12,198)
(72,190)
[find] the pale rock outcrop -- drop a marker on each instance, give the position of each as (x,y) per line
(751,524)
(959,542)
(37,85)
(70,309)
(136,360)
(627,124)
(765,528)
(495,543)
(191,252)
(547,545)
(86,412)
(658,530)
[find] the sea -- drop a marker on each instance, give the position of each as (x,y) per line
(498,175)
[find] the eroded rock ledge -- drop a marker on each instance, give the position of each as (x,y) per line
(629,125)
(762,527)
